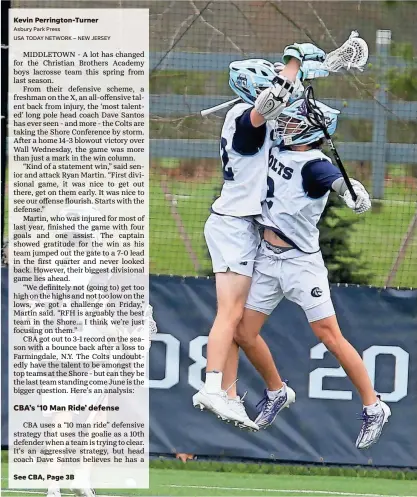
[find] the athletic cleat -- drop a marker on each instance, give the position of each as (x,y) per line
(270,408)
(219,404)
(236,405)
(372,425)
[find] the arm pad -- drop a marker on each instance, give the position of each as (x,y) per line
(339,186)
(272,101)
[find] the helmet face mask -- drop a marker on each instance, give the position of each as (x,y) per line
(289,128)
(294,127)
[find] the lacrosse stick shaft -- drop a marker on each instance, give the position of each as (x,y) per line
(317,119)
(340,165)
(206,112)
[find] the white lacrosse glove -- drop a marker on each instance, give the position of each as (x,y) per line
(308,70)
(363,201)
(273,100)
(303,52)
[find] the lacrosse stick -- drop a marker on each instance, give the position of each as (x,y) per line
(353,54)
(206,112)
(316,118)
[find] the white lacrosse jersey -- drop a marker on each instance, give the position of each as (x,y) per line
(244,187)
(288,209)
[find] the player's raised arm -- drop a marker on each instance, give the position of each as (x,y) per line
(273,100)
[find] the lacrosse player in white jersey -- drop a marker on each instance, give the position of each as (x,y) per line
(232,237)
(289,263)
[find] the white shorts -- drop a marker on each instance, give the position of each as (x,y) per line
(232,243)
(301,278)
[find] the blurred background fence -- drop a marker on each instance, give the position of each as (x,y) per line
(192,43)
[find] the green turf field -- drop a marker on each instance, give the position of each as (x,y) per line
(171,482)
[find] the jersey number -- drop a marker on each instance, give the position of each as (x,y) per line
(227,171)
(270,192)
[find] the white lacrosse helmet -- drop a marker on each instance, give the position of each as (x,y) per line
(248,78)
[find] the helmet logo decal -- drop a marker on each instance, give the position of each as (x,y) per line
(242,80)
(302,110)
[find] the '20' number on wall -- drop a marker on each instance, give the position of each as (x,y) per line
(315,387)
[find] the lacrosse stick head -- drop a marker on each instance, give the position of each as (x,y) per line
(353,53)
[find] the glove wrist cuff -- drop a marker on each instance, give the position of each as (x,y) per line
(339,186)
(292,53)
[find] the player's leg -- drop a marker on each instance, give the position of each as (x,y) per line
(229,385)
(307,285)
(277,395)
(264,295)
(229,381)
(375,412)
(232,290)
(256,349)
(328,332)
(258,354)
(232,243)
(247,336)
(217,394)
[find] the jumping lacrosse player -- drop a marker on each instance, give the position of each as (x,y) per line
(289,262)
(231,235)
